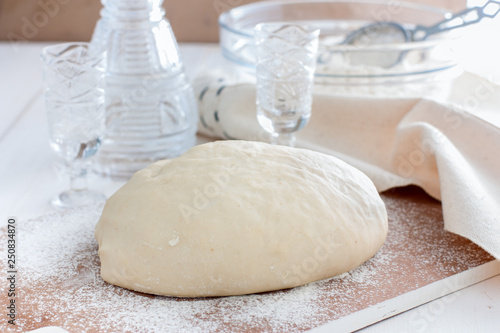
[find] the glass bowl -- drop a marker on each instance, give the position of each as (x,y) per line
(339,62)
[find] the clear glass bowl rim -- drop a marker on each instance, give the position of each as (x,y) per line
(228,18)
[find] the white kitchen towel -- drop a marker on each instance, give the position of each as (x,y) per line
(444,146)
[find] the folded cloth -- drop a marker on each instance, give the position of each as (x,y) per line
(445,146)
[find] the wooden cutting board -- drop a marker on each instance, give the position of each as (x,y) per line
(58,281)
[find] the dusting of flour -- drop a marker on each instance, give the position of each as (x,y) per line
(61,286)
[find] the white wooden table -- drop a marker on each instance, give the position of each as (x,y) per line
(28,180)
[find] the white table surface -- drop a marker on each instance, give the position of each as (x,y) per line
(28,178)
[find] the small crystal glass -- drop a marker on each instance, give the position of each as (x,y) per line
(74,99)
(285,64)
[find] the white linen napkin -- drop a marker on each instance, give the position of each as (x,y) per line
(443,145)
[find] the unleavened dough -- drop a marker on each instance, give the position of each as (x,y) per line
(237,217)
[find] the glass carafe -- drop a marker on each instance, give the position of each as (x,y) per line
(151,112)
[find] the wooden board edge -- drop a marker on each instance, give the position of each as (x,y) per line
(410,300)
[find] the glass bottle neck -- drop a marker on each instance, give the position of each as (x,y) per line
(133,10)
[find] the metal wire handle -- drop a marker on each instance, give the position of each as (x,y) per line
(466,17)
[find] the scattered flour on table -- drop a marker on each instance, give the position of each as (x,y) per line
(59,264)
(59,277)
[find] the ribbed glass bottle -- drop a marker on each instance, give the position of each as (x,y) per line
(151,112)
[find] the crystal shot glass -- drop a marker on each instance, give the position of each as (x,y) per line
(74,99)
(285,64)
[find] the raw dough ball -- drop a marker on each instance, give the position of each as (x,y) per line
(236,217)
